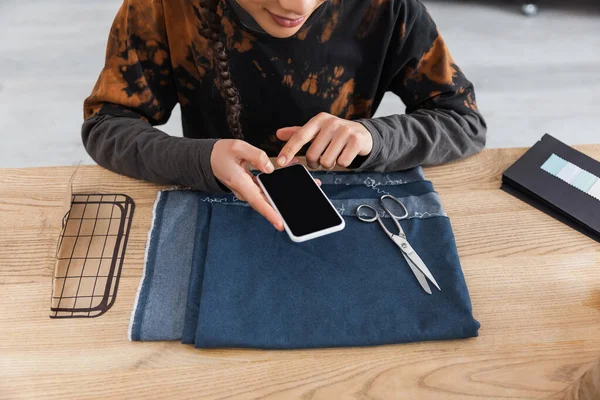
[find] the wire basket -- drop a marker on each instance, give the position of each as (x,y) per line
(90,254)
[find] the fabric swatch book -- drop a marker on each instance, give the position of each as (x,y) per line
(560,181)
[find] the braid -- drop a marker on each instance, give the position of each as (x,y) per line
(226,86)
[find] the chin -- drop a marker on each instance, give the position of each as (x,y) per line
(283,35)
(279,32)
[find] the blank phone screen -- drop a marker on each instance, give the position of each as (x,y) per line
(299,200)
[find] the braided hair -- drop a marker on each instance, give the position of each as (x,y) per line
(224,82)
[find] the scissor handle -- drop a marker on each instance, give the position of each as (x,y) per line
(387,210)
(365,218)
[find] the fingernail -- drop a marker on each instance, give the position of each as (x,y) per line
(269,167)
(281,160)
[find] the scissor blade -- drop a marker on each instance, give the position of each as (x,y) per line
(418,274)
(412,257)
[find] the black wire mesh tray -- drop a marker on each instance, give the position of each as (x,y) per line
(90,255)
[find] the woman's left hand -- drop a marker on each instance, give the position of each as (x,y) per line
(334,141)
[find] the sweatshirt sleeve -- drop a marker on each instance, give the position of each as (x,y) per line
(134,93)
(442,122)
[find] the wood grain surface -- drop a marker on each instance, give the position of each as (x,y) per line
(534,284)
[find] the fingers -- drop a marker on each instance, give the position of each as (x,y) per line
(320,144)
(335,141)
(340,137)
(255,156)
(286,133)
(351,150)
(238,195)
(251,193)
(301,137)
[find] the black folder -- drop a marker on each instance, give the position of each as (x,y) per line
(526,180)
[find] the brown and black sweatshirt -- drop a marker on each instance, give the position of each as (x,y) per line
(348,54)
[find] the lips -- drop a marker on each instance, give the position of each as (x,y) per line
(287,22)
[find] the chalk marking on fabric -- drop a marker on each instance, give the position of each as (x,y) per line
(425,214)
(213,200)
(371,183)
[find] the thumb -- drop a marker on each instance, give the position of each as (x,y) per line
(286,133)
(255,156)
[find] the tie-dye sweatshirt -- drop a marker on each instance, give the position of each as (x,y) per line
(342,61)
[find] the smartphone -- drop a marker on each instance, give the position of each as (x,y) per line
(306,211)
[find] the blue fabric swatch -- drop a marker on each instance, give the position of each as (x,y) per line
(554,164)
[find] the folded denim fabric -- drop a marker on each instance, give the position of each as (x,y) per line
(218,275)
(418,197)
(178,219)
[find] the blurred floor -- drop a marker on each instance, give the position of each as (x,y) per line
(532,75)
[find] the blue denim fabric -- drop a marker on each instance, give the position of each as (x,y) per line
(422,203)
(171,248)
(370,179)
(341,192)
(167,276)
(351,288)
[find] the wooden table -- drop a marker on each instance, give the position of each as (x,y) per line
(534,284)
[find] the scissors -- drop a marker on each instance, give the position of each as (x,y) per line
(415,263)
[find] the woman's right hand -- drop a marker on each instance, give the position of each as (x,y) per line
(228,160)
